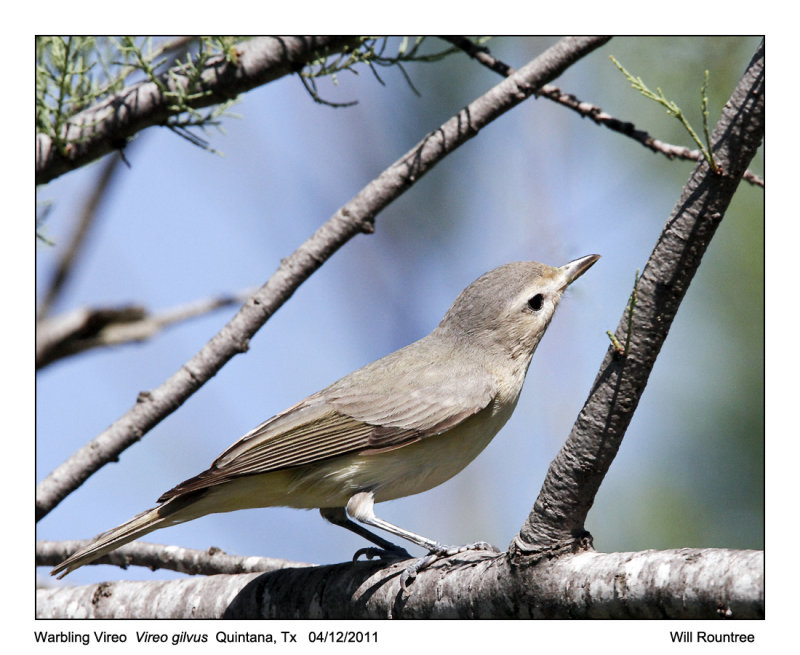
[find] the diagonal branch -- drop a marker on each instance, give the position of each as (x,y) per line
(587,110)
(358,215)
(99,129)
(557,520)
(74,246)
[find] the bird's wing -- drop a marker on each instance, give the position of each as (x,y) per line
(421,403)
(359,413)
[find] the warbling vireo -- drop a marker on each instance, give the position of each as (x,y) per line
(394,428)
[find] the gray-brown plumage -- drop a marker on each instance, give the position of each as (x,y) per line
(398,426)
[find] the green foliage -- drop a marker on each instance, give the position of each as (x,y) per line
(67,81)
(674,110)
(370,52)
(621,350)
(74,73)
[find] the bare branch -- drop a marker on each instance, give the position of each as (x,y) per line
(83,329)
(74,246)
(99,129)
(556,522)
(678,584)
(356,216)
(587,110)
(212,561)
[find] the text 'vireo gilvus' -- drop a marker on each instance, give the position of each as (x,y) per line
(394,428)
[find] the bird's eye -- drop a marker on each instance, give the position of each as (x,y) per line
(536,302)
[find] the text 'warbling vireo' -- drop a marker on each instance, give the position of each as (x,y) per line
(394,428)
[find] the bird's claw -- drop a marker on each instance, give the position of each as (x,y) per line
(438,552)
(372,552)
(447,551)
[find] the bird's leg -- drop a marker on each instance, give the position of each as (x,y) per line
(361,508)
(387,550)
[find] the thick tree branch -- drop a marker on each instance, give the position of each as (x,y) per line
(99,129)
(212,561)
(587,110)
(677,584)
(356,216)
(557,519)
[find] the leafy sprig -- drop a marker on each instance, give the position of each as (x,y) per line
(371,52)
(674,110)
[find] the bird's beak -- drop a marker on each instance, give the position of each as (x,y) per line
(576,268)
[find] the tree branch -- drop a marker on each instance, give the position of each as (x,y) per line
(82,329)
(356,216)
(212,561)
(99,129)
(74,246)
(675,584)
(557,520)
(587,110)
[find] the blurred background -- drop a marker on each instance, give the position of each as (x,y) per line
(539,183)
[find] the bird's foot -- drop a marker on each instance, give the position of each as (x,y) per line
(373,552)
(439,552)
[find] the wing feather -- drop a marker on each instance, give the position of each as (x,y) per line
(385,405)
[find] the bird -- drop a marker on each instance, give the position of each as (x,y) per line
(396,427)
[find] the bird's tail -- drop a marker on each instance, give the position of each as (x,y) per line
(141,524)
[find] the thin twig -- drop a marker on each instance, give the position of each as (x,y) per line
(74,247)
(212,561)
(621,350)
(356,216)
(587,110)
(674,110)
(84,329)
